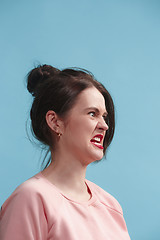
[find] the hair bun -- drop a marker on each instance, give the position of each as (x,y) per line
(38,75)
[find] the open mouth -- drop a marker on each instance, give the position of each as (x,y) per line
(97,141)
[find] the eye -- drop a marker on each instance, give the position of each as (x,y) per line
(105,117)
(92,114)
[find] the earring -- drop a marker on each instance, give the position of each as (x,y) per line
(58,134)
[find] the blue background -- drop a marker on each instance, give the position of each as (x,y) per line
(119,41)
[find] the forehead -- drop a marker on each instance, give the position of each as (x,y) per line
(90,97)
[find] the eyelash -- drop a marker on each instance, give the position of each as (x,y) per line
(91,113)
(104,117)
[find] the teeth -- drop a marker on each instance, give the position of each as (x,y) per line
(98,144)
(97,139)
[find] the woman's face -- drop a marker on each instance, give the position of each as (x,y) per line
(85,127)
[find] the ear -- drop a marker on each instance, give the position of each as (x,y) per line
(54,122)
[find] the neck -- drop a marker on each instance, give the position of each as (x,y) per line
(67,173)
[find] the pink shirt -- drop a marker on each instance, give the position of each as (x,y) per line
(37,210)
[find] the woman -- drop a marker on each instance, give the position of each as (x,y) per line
(72,114)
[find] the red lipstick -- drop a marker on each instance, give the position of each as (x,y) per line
(99,146)
(96,140)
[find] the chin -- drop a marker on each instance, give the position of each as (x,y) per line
(99,158)
(96,157)
(96,153)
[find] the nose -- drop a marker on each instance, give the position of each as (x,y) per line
(102,125)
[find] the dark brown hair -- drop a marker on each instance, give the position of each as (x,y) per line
(57,90)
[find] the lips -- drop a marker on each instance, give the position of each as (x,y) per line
(96,140)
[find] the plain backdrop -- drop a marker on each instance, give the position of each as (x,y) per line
(117,40)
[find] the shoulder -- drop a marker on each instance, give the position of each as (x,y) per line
(105,197)
(33,192)
(26,214)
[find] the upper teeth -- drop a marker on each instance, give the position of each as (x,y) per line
(97,139)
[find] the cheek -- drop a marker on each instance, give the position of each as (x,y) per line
(81,129)
(73,130)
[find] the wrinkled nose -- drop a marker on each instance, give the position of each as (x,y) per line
(102,125)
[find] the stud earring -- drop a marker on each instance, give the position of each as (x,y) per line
(58,134)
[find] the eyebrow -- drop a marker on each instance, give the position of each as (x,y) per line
(96,110)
